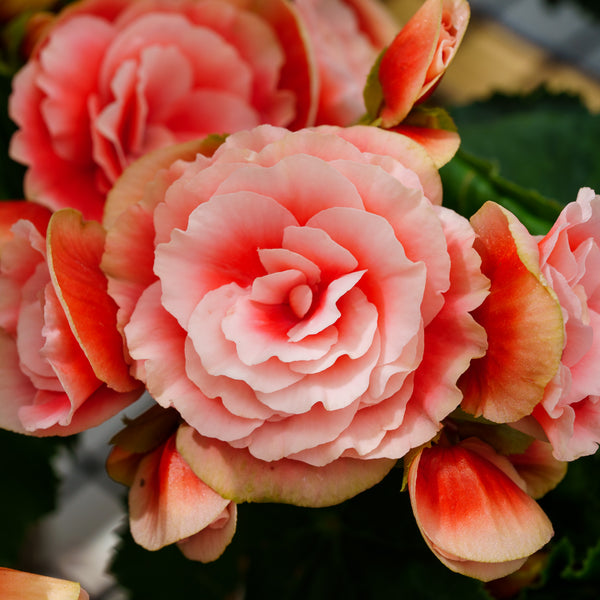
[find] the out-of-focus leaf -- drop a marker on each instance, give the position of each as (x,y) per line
(529,153)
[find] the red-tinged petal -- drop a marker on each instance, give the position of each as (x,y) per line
(208,545)
(100,406)
(12,211)
(75,249)
(470,511)
(440,144)
(18,585)
(538,468)
(400,147)
(235,474)
(16,389)
(522,318)
(419,55)
(299,72)
(129,188)
(167,502)
(404,65)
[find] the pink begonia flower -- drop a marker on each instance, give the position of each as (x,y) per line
(167,502)
(570,261)
(474,510)
(412,67)
(111,80)
(62,366)
(299,298)
(347,36)
(543,323)
(19,585)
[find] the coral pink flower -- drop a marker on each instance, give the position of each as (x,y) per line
(18,584)
(114,79)
(62,367)
(473,509)
(167,502)
(570,262)
(415,62)
(412,67)
(298,298)
(347,36)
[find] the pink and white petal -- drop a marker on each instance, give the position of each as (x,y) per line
(219,247)
(131,186)
(303,184)
(261,332)
(237,475)
(469,510)
(18,584)
(167,501)
(219,355)
(356,329)
(335,388)
(392,282)
(242,411)
(210,543)
(75,249)
(410,154)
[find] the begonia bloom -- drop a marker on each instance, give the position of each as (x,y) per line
(19,585)
(471,508)
(297,296)
(111,81)
(413,65)
(62,365)
(570,261)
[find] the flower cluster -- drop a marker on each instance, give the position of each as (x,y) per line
(208,220)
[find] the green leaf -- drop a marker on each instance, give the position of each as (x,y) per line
(373,92)
(533,152)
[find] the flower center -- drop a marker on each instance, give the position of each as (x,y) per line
(300,299)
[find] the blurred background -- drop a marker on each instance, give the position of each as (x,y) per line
(511,46)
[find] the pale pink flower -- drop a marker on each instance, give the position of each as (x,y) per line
(570,261)
(113,79)
(62,367)
(299,298)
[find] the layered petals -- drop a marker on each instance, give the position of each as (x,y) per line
(472,510)
(63,365)
(107,84)
(570,260)
(299,351)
